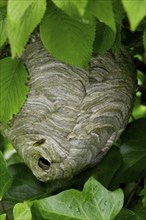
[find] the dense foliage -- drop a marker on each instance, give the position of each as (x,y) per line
(73,31)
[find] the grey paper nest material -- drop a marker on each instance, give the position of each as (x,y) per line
(71,116)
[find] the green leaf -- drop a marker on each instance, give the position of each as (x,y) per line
(5,178)
(3,13)
(133,147)
(144,39)
(103,11)
(126,214)
(136,11)
(117,43)
(104,39)
(105,172)
(66,38)
(73,8)
(13,89)
(140,212)
(22,211)
(3,26)
(3,3)
(133,150)
(3,217)
(24,187)
(94,202)
(119,12)
(143,193)
(23,17)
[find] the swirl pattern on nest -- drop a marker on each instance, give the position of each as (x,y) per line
(71,116)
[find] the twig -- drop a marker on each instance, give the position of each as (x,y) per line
(132,194)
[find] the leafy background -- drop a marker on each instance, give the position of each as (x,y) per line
(73,31)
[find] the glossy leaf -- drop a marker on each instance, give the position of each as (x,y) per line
(5,178)
(103,11)
(94,202)
(24,187)
(143,193)
(133,147)
(3,26)
(140,212)
(13,89)
(66,38)
(22,211)
(23,17)
(136,11)
(133,150)
(126,214)
(105,172)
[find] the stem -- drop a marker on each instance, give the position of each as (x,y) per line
(132,194)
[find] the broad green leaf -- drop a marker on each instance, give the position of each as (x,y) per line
(16,9)
(24,187)
(136,11)
(3,3)
(5,178)
(105,172)
(103,11)
(133,150)
(94,202)
(22,211)
(3,217)
(143,193)
(3,26)
(104,39)
(133,147)
(73,8)
(144,39)
(126,214)
(13,89)
(118,10)
(65,38)
(140,212)
(23,17)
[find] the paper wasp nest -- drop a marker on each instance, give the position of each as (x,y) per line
(72,116)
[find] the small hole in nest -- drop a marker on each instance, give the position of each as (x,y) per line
(43,163)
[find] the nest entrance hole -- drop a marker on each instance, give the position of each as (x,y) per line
(43,163)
